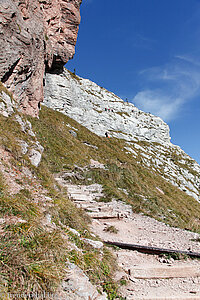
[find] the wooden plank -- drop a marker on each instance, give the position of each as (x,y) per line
(183,297)
(98,217)
(152,250)
(160,272)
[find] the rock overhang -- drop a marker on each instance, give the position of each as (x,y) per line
(35,36)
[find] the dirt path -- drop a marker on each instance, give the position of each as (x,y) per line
(152,276)
(144,276)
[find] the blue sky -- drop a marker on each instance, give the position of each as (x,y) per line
(147,51)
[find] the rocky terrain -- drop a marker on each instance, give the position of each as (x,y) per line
(147,136)
(35,36)
(100,110)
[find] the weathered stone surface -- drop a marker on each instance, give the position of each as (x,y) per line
(61,23)
(35,155)
(72,132)
(94,244)
(6,105)
(77,286)
(34,150)
(35,34)
(102,111)
(147,136)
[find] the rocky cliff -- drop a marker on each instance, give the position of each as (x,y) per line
(147,136)
(102,111)
(35,36)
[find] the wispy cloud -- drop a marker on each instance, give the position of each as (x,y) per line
(141,41)
(156,102)
(189,59)
(169,87)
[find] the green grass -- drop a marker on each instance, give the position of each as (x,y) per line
(5,90)
(74,76)
(31,258)
(123,113)
(10,134)
(111,229)
(98,265)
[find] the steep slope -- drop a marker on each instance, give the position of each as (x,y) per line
(100,110)
(147,137)
(42,233)
(39,246)
(69,149)
(35,35)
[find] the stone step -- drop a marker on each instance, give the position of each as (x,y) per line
(92,210)
(86,203)
(80,197)
(156,272)
(59,179)
(78,192)
(79,204)
(103,216)
(84,190)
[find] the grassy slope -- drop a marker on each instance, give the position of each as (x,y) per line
(63,151)
(32,258)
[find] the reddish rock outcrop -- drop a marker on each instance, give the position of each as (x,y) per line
(35,35)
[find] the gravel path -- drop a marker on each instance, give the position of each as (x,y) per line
(138,229)
(145,276)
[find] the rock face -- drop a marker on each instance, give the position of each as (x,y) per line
(102,111)
(147,137)
(35,35)
(77,286)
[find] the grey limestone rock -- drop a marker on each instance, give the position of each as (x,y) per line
(72,132)
(6,105)
(102,111)
(77,286)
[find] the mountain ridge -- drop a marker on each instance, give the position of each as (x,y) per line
(146,135)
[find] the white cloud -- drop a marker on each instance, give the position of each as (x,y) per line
(169,87)
(156,102)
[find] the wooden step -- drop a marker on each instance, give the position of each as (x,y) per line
(169,271)
(168,298)
(104,216)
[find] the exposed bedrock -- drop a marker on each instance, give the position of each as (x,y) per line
(35,35)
